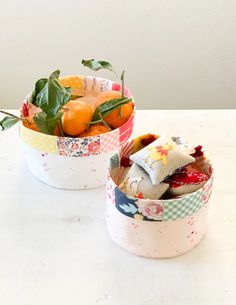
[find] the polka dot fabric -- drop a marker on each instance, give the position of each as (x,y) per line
(39,141)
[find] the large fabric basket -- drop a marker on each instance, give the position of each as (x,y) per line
(74,163)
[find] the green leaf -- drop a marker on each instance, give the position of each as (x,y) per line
(53,96)
(8,121)
(104,109)
(40,84)
(55,74)
(68,93)
(96,65)
(47,124)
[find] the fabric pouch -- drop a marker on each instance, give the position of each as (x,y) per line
(185,181)
(161,158)
(137,183)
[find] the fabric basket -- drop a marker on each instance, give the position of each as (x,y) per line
(74,163)
(154,228)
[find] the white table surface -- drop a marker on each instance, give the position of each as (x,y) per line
(55,248)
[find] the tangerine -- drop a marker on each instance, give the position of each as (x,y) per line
(94,130)
(118,116)
(76,115)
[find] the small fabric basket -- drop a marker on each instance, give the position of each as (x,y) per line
(154,228)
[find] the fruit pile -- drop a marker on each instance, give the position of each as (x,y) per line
(53,109)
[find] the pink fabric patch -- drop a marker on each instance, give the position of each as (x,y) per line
(117,87)
(126,130)
(110,141)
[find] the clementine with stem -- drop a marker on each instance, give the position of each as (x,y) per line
(118,116)
(76,116)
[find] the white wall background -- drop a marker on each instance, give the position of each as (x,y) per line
(177,53)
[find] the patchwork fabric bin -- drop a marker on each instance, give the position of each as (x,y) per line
(69,162)
(154,228)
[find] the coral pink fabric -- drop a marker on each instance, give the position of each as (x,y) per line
(117,87)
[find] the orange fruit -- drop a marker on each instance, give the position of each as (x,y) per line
(118,116)
(94,130)
(106,96)
(76,115)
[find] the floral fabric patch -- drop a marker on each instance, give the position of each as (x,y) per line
(152,210)
(74,147)
(131,207)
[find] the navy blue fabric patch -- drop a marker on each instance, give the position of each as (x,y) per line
(125,204)
(128,206)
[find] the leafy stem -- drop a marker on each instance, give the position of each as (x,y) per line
(122,77)
(101,120)
(16,117)
(104,122)
(10,120)
(12,115)
(96,65)
(50,96)
(104,109)
(110,105)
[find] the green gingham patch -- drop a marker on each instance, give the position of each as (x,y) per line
(177,209)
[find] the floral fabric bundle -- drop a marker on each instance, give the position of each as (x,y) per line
(138,184)
(165,168)
(161,158)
